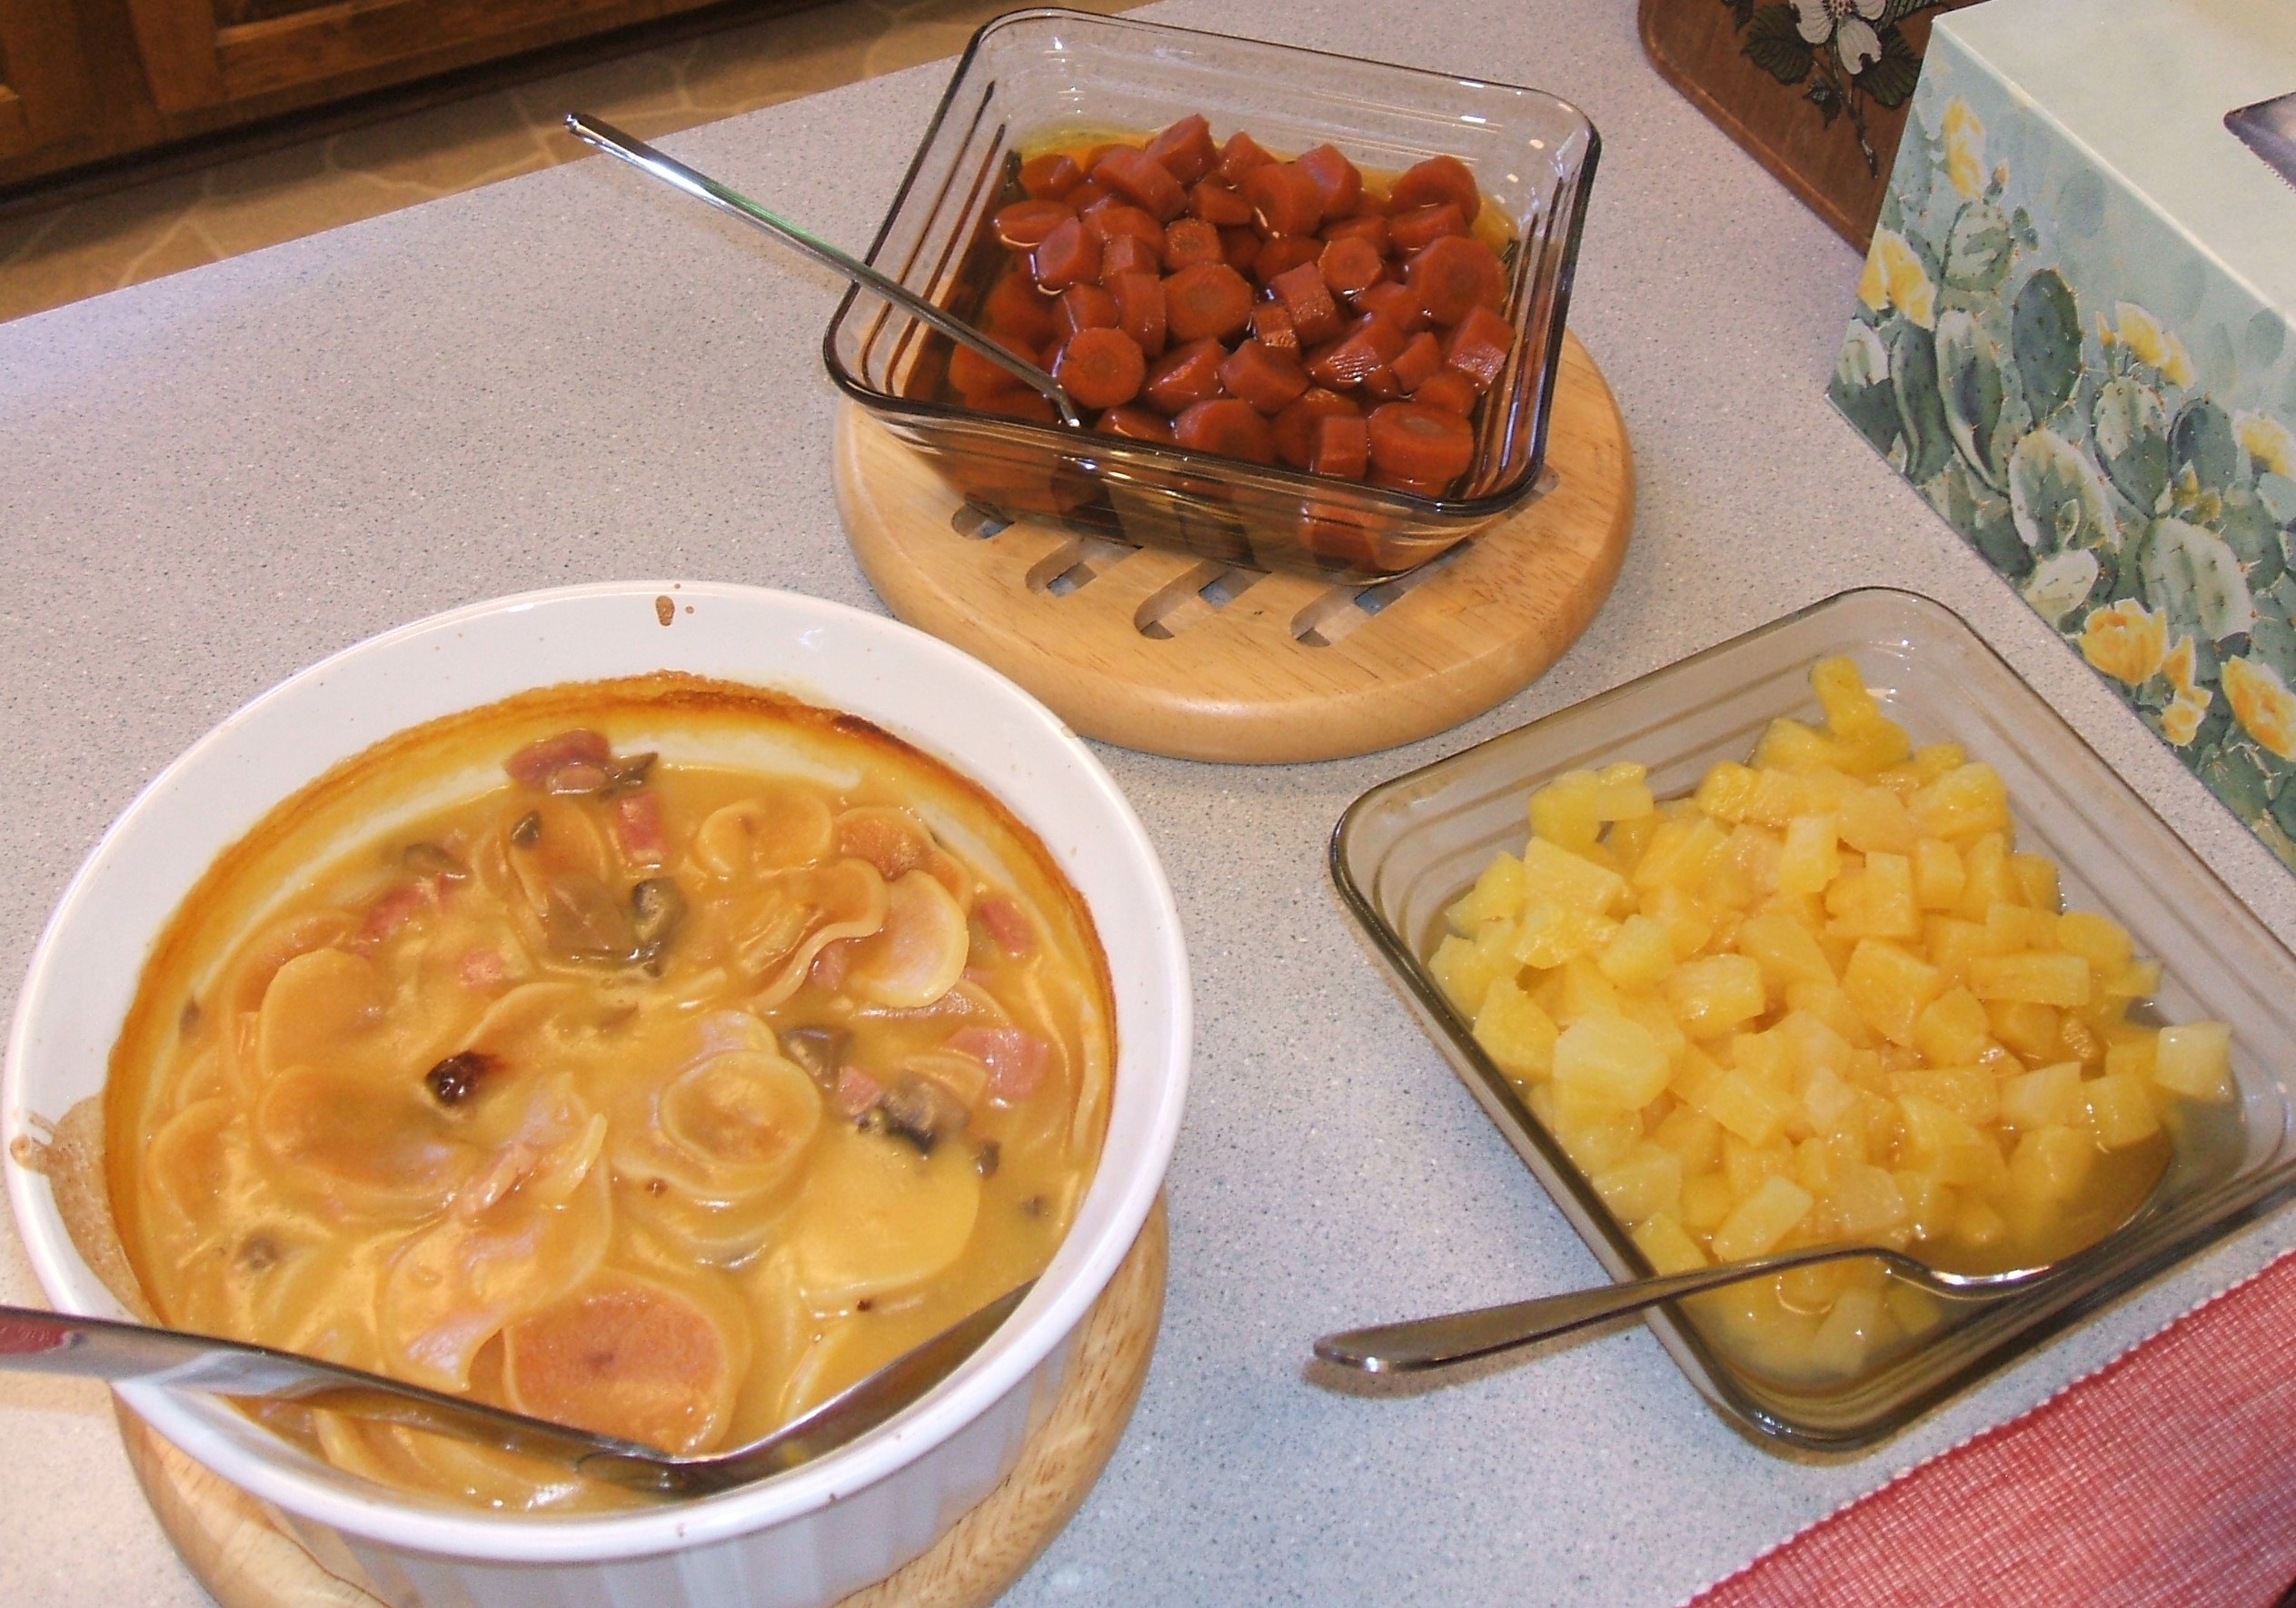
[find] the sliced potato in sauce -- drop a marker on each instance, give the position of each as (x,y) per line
(877,1216)
(628,1358)
(919,954)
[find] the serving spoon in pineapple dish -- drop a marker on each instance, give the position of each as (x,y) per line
(123,1352)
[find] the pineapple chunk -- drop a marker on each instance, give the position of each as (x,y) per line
(1724,791)
(1689,924)
(1934,760)
(1552,932)
(1977,1225)
(2034,1031)
(2100,940)
(1694,1137)
(1970,1093)
(2053,977)
(1564,813)
(1873,821)
(1639,954)
(1667,1246)
(2012,929)
(1857,1323)
(1761,1220)
(1497,895)
(1622,792)
(1949,1147)
(1787,951)
(1682,854)
(2133,1056)
(1888,987)
(1594,1136)
(2050,1095)
(1952,1030)
(1464,972)
(1643,1183)
(1938,876)
(2120,1111)
(1812,857)
(2195,1059)
(1967,802)
(1715,993)
(2051,1163)
(1746,1105)
(2037,877)
(1555,875)
(1706,1200)
(1875,900)
(1867,1202)
(1986,877)
(1517,1036)
(1610,1060)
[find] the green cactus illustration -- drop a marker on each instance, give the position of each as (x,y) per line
(2130,427)
(2044,330)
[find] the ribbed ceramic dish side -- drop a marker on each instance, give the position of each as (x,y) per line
(1037,76)
(1407,848)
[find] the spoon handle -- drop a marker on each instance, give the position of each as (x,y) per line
(701,187)
(1461,1336)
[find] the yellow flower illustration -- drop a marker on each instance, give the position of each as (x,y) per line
(2262,704)
(2178,667)
(2141,333)
(2181,720)
(1965,149)
(2268,440)
(1895,277)
(2126,641)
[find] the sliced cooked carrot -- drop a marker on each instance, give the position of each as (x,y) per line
(1185,376)
(1350,266)
(1295,426)
(1186,149)
(1087,195)
(1380,384)
(1140,178)
(1456,273)
(1190,241)
(1084,307)
(1285,198)
(1051,176)
(1239,156)
(1135,424)
(1477,346)
(1419,361)
(973,375)
(1281,253)
(1421,444)
(1139,309)
(1210,299)
(1345,536)
(1397,304)
(1269,380)
(1240,247)
(1070,255)
(1447,389)
(1015,307)
(1024,223)
(1338,180)
(1436,180)
(1371,342)
(1092,157)
(1231,428)
(1219,205)
(1101,368)
(1128,254)
(1343,447)
(1305,296)
(1271,327)
(1409,232)
(1110,219)
(1373,228)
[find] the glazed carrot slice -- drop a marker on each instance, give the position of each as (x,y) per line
(1070,255)
(1407,232)
(1343,447)
(1349,266)
(1419,361)
(1051,176)
(1087,195)
(1110,219)
(1454,275)
(1271,326)
(1092,157)
(1305,296)
(1285,198)
(1024,223)
(1016,308)
(1295,426)
(1140,178)
(1423,444)
(1479,345)
(1281,253)
(1269,380)
(1135,424)
(1436,180)
(1101,368)
(1084,307)
(1339,180)
(1371,227)
(1231,428)
(973,375)
(1447,389)
(1397,304)
(1380,385)
(1219,205)
(1186,149)
(1185,376)
(1190,241)
(1239,156)
(1371,343)
(1210,299)
(1240,247)
(1139,309)
(1128,254)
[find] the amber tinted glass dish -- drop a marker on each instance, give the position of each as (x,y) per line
(1409,847)
(1038,78)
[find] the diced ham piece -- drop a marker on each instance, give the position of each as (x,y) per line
(533,765)
(829,966)
(1008,923)
(1016,1060)
(638,824)
(482,970)
(393,910)
(856,1091)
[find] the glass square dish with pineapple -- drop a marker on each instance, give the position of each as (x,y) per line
(1838,933)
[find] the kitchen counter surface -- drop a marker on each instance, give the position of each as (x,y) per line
(212,480)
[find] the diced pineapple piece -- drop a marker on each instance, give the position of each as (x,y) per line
(2140,979)
(1831,1005)
(1873,821)
(1689,924)
(1825,1096)
(1694,1137)
(1986,877)
(1610,1060)
(1658,1018)
(2036,1032)
(1564,813)
(1888,987)
(1931,1202)
(1970,1093)
(1867,1201)
(1594,1136)
(2100,940)
(1964,803)
(1706,1200)
(1723,790)
(1768,1058)
(1977,1225)
(1816,1043)
(1952,1030)
(1581,990)
(1623,791)
(1792,746)
(2195,1059)
(1952,1150)
(1715,993)
(1934,760)
(2050,1096)
(1556,875)
(2051,1163)
(1754,854)
(1761,1220)
(1641,1183)
(1857,1325)
(1814,1289)
(1812,857)
(2131,1056)
(2037,977)
(1464,972)
(1517,1036)
(1875,901)
(2037,875)
(1624,841)
(1938,876)
(1639,954)
(1497,895)
(1667,1246)
(1787,951)
(1951,941)
(1552,932)
(2012,929)
(1753,1111)
(1682,854)
(2121,1110)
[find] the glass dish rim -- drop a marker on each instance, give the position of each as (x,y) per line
(2212,1215)
(1488,506)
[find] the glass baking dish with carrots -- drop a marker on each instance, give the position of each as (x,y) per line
(1310,307)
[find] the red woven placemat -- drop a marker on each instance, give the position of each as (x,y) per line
(2167,1477)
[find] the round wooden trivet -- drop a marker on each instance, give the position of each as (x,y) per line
(1179,655)
(246,1561)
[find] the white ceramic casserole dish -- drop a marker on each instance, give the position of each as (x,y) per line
(821,1532)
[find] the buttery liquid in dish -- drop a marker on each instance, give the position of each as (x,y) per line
(657,1056)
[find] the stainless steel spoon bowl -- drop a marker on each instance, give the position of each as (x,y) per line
(102,1348)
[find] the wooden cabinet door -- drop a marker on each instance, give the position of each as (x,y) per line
(207,52)
(43,87)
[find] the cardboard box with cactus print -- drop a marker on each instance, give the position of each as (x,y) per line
(2074,335)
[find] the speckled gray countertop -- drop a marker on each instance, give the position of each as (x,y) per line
(210,481)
